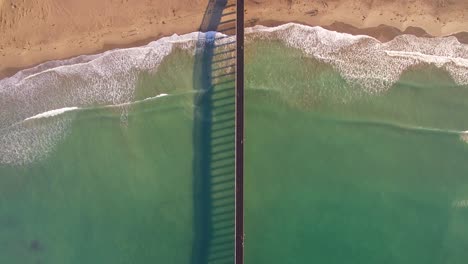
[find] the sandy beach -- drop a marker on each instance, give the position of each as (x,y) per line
(36,31)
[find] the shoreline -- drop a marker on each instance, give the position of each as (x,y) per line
(383,33)
(18,53)
(11,71)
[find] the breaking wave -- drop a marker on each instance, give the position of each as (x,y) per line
(56,87)
(107,78)
(110,78)
(363,60)
(34,138)
(52,113)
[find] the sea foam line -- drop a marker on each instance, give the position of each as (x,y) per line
(52,113)
(102,79)
(397,125)
(24,142)
(63,110)
(463,134)
(373,65)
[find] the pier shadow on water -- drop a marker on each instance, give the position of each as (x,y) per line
(214,135)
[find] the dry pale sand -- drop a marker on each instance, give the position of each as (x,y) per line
(34,31)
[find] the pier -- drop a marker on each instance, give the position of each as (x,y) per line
(218,135)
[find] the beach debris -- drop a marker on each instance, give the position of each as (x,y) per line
(252,21)
(312,12)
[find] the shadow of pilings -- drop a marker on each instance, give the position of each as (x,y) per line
(214,136)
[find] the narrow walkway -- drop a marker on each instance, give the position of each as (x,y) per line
(214,136)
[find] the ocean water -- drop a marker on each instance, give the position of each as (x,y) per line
(335,176)
(355,153)
(110,190)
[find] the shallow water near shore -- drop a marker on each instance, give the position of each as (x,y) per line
(335,172)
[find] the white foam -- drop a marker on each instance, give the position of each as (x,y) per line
(161,95)
(107,78)
(364,60)
(460,204)
(57,87)
(56,112)
(52,113)
(464,136)
(26,142)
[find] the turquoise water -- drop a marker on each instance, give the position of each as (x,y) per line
(111,192)
(334,174)
(376,179)
(108,194)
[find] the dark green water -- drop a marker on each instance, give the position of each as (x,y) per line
(333,175)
